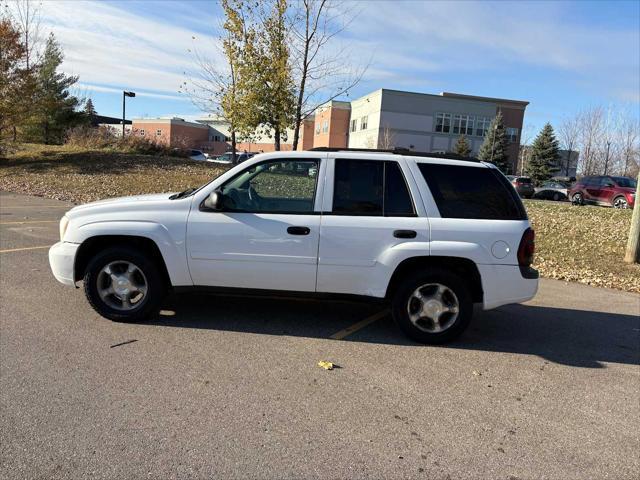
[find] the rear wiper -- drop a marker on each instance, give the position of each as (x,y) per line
(183,194)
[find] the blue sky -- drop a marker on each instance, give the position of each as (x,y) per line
(560,56)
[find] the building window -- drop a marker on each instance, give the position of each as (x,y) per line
(216,138)
(227,139)
(325,126)
(443,122)
(142,132)
(482,125)
(363,122)
(470,122)
(354,125)
(463,124)
(158,132)
(512,134)
(317,129)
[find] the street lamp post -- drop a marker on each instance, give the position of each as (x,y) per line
(125,94)
(493,140)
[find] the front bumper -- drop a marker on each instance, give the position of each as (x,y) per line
(62,256)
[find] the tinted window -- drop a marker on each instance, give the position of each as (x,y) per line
(625,182)
(472,192)
(397,200)
(358,187)
(365,187)
(525,180)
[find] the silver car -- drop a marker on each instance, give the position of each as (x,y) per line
(552,190)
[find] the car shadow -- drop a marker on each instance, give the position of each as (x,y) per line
(571,337)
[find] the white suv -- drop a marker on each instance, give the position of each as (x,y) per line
(432,235)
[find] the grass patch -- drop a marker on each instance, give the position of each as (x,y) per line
(578,244)
(583,244)
(80,175)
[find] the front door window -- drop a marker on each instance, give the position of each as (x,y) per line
(273,187)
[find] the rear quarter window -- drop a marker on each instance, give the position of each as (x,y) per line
(472,192)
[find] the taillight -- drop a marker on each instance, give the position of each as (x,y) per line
(527,248)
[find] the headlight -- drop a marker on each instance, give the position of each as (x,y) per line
(64,223)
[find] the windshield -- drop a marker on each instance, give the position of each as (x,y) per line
(625,182)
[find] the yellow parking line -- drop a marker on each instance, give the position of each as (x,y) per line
(359,325)
(24,248)
(29,221)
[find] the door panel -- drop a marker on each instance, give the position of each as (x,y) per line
(250,250)
(351,254)
(267,234)
(370,212)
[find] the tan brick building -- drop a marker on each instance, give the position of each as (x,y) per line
(382,119)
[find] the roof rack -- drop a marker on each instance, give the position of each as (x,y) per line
(397,151)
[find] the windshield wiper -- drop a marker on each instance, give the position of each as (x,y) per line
(183,194)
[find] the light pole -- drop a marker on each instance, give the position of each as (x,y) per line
(493,140)
(125,94)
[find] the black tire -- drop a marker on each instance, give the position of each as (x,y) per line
(156,287)
(620,202)
(556,197)
(577,199)
(402,295)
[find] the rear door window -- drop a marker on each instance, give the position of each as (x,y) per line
(371,188)
(472,192)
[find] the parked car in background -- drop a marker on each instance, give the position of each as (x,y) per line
(523,185)
(617,192)
(552,190)
(228,157)
(198,155)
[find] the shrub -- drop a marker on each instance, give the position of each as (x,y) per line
(104,138)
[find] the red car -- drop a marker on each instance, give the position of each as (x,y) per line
(617,192)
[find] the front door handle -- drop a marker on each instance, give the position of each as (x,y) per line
(405,234)
(298,230)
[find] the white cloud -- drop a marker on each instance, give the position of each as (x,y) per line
(105,45)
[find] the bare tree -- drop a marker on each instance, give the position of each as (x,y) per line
(26,14)
(569,135)
(323,70)
(591,126)
(387,140)
(524,152)
(629,139)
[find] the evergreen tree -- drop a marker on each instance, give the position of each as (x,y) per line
(54,109)
(494,146)
(462,147)
(90,111)
(544,152)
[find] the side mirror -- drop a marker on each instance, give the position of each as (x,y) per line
(214,200)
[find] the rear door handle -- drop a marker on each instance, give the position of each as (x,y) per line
(298,230)
(405,234)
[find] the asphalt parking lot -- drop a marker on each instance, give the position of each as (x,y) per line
(229,386)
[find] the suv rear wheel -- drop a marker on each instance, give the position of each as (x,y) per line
(620,202)
(433,307)
(124,285)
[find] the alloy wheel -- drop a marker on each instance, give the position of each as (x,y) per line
(620,202)
(433,307)
(122,285)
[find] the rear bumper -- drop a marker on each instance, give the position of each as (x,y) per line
(62,256)
(504,284)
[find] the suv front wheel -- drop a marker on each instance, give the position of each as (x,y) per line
(124,285)
(433,307)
